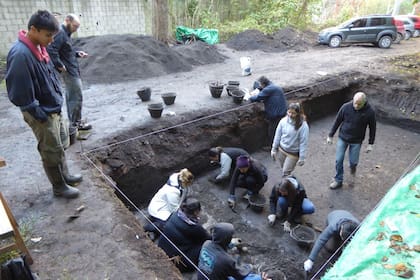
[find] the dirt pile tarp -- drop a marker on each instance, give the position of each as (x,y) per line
(386,245)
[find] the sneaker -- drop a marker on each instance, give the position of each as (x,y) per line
(84,126)
(336,185)
(353,170)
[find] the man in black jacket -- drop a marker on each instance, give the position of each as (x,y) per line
(64,57)
(353,119)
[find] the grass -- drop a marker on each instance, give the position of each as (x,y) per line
(26,226)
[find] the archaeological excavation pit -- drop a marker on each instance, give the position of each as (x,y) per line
(140,160)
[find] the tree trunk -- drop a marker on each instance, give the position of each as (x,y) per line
(160,20)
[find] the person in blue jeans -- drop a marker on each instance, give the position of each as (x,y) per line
(64,56)
(353,118)
(289,193)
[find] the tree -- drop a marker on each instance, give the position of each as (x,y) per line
(160,20)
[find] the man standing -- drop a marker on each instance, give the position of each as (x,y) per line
(33,86)
(65,61)
(353,119)
(275,104)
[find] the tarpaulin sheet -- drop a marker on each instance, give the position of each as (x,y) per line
(210,36)
(387,243)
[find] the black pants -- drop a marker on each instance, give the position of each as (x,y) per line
(272,126)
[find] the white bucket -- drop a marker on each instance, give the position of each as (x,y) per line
(245,65)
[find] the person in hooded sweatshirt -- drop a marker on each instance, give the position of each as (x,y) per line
(226,158)
(341,225)
(291,139)
(167,200)
(353,119)
(216,263)
(186,233)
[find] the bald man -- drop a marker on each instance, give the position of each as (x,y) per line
(64,57)
(353,119)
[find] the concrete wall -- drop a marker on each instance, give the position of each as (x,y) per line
(98,17)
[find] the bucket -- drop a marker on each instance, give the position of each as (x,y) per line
(230,88)
(216,89)
(155,109)
(144,93)
(169,98)
(257,202)
(303,235)
(245,65)
(238,95)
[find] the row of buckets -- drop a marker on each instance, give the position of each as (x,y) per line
(232,89)
(156,109)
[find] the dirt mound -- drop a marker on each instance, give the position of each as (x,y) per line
(117,58)
(284,39)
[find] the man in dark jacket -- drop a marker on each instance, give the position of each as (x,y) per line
(185,232)
(33,86)
(65,61)
(275,104)
(249,174)
(226,157)
(215,262)
(340,226)
(353,119)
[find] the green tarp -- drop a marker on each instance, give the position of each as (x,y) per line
(210,36)
(387,243)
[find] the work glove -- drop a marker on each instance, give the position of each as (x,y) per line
(329,140)
(301,162)
(271,219)
(38,113)
(369,148)
(273,154)
(235,242)
(286,226)
(307,265)
(232,201)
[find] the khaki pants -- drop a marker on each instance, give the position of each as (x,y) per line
(48,134)
(287,162)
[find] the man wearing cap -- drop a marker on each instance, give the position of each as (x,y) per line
(275,104)
(226,158)
(249,174)
(341,225)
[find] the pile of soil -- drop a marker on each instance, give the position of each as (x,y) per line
(284,39)
(117,58)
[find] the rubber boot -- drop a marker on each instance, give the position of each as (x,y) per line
(60,188)
(71,179)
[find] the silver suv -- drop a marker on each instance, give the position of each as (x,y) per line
(379,30)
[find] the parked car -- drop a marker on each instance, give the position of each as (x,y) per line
(416,21)
(400,30)
(377,29)
(408,26)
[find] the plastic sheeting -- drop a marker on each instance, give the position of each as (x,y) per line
(388,242)
(210,36)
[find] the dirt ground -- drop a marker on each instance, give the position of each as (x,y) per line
(107,242)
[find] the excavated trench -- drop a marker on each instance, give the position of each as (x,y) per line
(139,167)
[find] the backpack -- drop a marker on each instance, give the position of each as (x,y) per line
(16,269)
